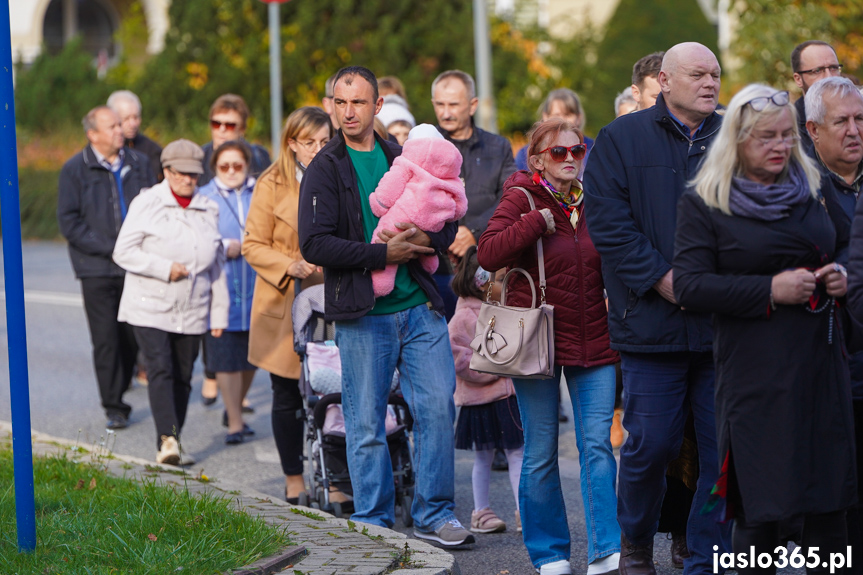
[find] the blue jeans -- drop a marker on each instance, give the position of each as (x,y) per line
(540,499)
(416,342)
(659,389)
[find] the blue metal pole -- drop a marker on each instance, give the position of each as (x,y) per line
(16,328)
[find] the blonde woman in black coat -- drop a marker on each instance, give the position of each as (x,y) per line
(756,246)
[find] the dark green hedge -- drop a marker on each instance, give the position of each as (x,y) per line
(38,200)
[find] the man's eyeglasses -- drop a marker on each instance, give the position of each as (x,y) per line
(236,166)
(229,126)
(184,174)
(559,153)
(834,69)
(779,99)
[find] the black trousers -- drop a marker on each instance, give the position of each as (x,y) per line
(288,418)
(824,531)
(114,346)
(855,513)
(170,358)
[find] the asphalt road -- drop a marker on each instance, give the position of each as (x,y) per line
(64,402)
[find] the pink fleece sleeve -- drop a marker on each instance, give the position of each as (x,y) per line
(390,188)
(461,332)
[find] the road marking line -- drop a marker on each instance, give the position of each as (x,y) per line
(50,298)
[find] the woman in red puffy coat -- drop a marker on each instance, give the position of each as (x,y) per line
(582,353)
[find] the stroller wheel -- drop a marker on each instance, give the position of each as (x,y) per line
(303,499)
(407,503)
(337,509)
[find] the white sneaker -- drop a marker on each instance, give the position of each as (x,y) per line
(517,521)
(561,567)
(169,454)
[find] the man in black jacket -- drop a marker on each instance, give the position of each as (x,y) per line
(834,120)
(834,123)
(638,169)
(487,162)
(487,158)
(404,329)
(95,189)
(128,106)
(811,61)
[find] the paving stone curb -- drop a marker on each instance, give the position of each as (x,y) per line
(326,545)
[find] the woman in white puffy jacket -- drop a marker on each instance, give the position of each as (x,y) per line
(175,286)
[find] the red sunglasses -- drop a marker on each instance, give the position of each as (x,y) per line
(229,126)
(236,166)
(559,153)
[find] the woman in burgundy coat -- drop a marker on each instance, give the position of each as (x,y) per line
(582,353)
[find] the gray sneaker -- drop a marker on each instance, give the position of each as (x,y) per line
(450,534)
(186,459)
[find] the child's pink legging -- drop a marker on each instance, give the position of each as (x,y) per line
(482,474)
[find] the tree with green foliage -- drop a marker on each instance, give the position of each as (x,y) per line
(212,47)
(58,89)
(412,40)
(132,35)
(215,47)
(768,30)
(638,28)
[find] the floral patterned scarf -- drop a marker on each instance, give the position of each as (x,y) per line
(568,202)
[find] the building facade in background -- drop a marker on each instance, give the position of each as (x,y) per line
(52,23)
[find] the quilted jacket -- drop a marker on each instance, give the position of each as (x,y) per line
(572,269)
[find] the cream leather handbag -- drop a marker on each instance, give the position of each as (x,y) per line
(514,341)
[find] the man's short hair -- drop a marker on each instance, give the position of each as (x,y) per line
(647,67)
(124,95)
(89,120)
(233,102)
(798,50)
(349,72)
(328,86)
(625,96)
(465,78)
(833,86)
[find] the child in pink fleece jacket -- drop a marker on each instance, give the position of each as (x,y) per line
(422,187)
(489,418)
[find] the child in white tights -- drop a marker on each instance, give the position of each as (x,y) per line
(489,418)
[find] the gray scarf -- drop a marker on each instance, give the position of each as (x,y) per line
(769,203)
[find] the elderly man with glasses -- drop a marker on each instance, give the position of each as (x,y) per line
(229,115)
(811,61)
(834,120)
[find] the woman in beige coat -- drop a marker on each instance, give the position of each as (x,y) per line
(271,246)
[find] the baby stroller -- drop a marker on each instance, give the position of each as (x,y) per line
(320,386)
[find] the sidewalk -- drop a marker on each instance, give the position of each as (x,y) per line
(325,545)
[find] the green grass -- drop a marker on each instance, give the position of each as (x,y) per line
(89,522)
(39,203)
